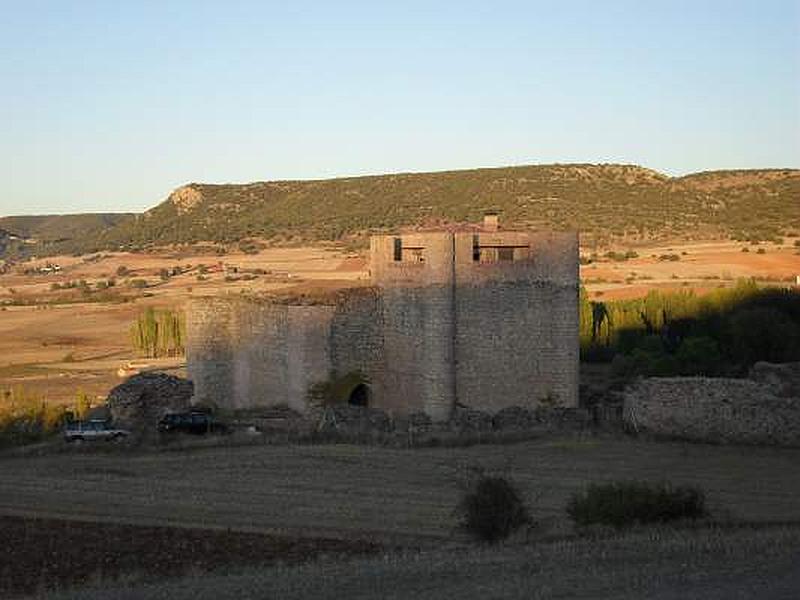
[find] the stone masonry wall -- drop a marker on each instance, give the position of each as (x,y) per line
(417,317)
(209,350)
(245,352)
(713,410)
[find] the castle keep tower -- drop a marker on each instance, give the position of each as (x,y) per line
(476,317)
(483,318)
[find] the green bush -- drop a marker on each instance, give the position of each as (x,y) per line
(626,503)
(492,509)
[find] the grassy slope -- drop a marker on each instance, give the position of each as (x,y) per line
(602,200)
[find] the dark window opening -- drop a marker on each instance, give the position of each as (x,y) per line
(476,249)
(398,249)
(359,396)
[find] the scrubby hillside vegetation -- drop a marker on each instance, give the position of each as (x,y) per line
(52,233)
(605,202)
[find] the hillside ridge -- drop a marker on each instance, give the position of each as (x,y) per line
(606,202)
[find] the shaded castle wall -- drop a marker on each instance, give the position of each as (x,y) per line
(209,349)
(517,320)
(356,338)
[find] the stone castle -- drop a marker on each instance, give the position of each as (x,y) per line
(475,317)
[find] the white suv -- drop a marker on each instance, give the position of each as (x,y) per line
(95,429)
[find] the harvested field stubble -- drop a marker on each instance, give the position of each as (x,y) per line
(48,553)
(658,564)
(341,490)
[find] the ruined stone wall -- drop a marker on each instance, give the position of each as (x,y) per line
(713,410)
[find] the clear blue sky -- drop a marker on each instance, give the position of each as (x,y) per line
(107,106)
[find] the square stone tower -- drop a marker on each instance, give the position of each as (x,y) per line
(480,318)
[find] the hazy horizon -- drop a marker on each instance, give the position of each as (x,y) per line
(108,108)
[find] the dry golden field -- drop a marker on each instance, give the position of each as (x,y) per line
(701,266)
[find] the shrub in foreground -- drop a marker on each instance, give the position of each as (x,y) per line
(492,508)
(625,503)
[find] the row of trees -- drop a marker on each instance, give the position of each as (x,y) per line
(158,333)
(720,333)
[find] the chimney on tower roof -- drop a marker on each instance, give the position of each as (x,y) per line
(490,221)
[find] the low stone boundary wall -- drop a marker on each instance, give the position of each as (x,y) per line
(713,410)
(368,425)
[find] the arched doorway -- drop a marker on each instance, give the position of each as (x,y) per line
(359,396)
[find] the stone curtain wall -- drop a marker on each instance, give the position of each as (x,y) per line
(713,410)
(245,352)
(209,349)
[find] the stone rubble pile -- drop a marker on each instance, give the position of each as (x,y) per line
(138,403)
